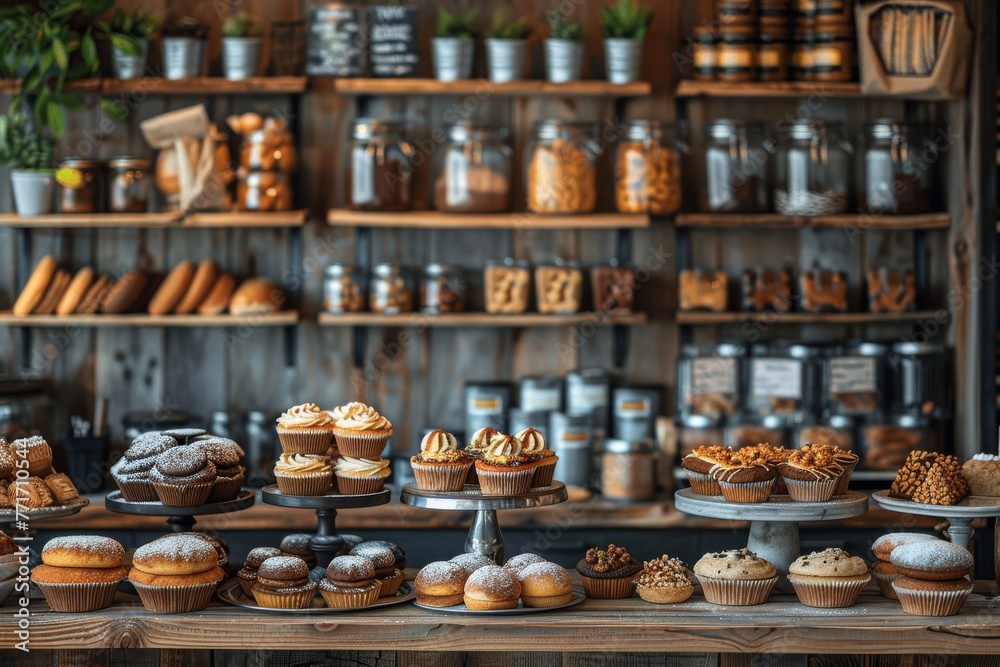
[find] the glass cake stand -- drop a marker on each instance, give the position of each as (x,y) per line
(326,543)
(959,516)
(180,519)
(484,537)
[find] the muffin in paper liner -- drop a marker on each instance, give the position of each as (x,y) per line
(472,477)
(931,603)
(811,491)
(746,492)
(884,582)
(183,495)
(545,470)
(359,486)
(299,597)
(511,482)
(310,484)
(703,484)
(737,592)
(175,599)
(440,477)
(828,592)
(780,489)
(361,445)
(305,440)
(247,586)
(348,598)
(611,588)
(136,491)
(225,488)
(391,584)
(77,598)
(844,482)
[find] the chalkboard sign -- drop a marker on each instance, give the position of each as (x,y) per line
(393,45)
(337,41)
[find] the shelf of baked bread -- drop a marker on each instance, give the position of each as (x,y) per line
(857,221)
(283,318)
(224,219)
(525,320)
(693,88)
(340,217)
(703,318)
(484,87)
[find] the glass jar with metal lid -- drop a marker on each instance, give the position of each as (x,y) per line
(698,430)
(560,176)
(559,287)
(128,184)
(813,169)
(895,177)
(379,176)
(388,292)
(507,286)
(838,430)
(736,53)
(710,379)
(854,378)
(733,166)
(81,185)
(474,170)
(782,380)
(774,53)
(920,376)
(834,55)
(263,191)
(747,430)
(342,291)
(704,54)
(628,470)
(887,441)
(648,169)
(442,290)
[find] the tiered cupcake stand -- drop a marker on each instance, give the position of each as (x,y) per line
(959,516)
(180,519)
(774,525)
(484,537)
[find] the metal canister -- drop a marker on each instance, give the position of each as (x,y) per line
(486,404)
(572,441)
(540,393)
(587,393)
(634,412)
(627,470)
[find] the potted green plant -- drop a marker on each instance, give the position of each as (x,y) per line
(32,175)
(564,49)
(241,46)
(506,47)
(183,47)
(452,46)
(129,35)
(624,25)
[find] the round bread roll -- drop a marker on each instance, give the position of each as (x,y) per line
(48,574)
(175,555)
(206,577)
(75,292)
(472,562)
(544,585)
(83,551)
(201,284)
(440,584)
(517,563)
(219,296)
(35,288)
(256,296)
(172,289)
(490,588)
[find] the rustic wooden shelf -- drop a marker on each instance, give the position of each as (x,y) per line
(227,219)
(525,320)
(692,88)
(340,217)
(524,88)
(239,219)
(701,318)
(283,318)
(11,86)
(860,221)
(207,85)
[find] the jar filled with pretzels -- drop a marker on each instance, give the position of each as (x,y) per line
(648,169)
(559,287)
(560,174)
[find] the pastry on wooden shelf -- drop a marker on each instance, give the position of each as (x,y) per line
(704,290)
(823,291)
(891,291)
(664,580)
(767,290)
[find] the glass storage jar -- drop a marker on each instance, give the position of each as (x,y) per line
(854,378)
(813,169)
(704,54)
(710,379)
(128,185)
(559,287)
(507,285)
(736,50)
(613,288)
(648,169)
(81,185)
(442,290)
(782,381)
(774,53)
(698,430)
(379,177)
(895,176)
(263,191)
(268,150)
(342,291)
(920,376)
(886,442)
(627,470)
(560,174)
(474,170)
(834,54)
(733,163)
(388,292)
(838,430)
(748,430)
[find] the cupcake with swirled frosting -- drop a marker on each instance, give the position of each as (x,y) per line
(303,474)
(361,432)
(305,429)
(440,465)
(476,449)
(357,477)
(504,470)
(544,460)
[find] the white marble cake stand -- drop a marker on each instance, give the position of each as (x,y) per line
(959,516)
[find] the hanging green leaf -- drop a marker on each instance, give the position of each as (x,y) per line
(115,110)
(72,101)
(88,47)
(57,120)
(125,43)
(59,53)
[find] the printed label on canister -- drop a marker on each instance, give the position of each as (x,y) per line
(713,375)
(485,405)
(852,375)
(539,398)
(777,377)
(631,409)
(586,397)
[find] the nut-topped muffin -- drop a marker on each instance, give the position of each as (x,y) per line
(664,580)
(544,460)
(811,474)
(847,460)
(773,454)
(738,577)
(699,464)
(503,470)
(440,465)
(829,578)
(607,573)
(305,429)
(746,478)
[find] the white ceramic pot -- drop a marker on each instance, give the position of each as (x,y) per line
(33,191)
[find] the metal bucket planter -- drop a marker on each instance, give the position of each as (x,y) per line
(33,191)
(125,65)
(563,60)
(623,59)
(183,57)
(241,57)
(452,58)
(505,59)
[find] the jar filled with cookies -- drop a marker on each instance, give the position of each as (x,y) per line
(388,291)
(129,181)
(560,174)
(342,291)
(474,170)
(648,169)
(507,285)
(854,378)
(442,290)
(559,287)
(710,379)
(379,174)
(782,380)
(613,288)
(263,191)
(887,440)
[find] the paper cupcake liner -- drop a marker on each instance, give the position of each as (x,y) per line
(225,488)
(247,586)
(737,592)
(432,477)
(513,482)
(76,598)
(884,582)
(183,495)
(616,588)
(312,484)
(137,491)
(780,488)
(472,477)
(845,479)
(811,491)
(391,585)
(827,594)
(351,597)
(931,603)
(361,446)
(658,595)
(703,484)
(175,599)
(545,471)
(295,599)
(305,440)
(359,486)
(746,492)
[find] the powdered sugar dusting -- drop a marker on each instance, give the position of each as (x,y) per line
(495,580)
(177,549)
(439,572)
(931,555)
(380,557)
(516,563)
(893,540)
(552,571)
(283,568)
(104,547)
(472,562)
(986,457)
(350,568)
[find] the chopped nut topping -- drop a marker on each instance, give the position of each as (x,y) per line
(613,558)
(663,572)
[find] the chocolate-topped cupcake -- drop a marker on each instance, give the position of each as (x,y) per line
(226,454)
(297,544)
(350,582)
(248,573)
(384,561)
(283,583)
(183,476)
(607,573)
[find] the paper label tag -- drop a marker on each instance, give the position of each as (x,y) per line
(362,176)
(633,409)
(852,375)
(585,397)
(457,169)
(781,378)
(713,375)
(539,398)
(485,405)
